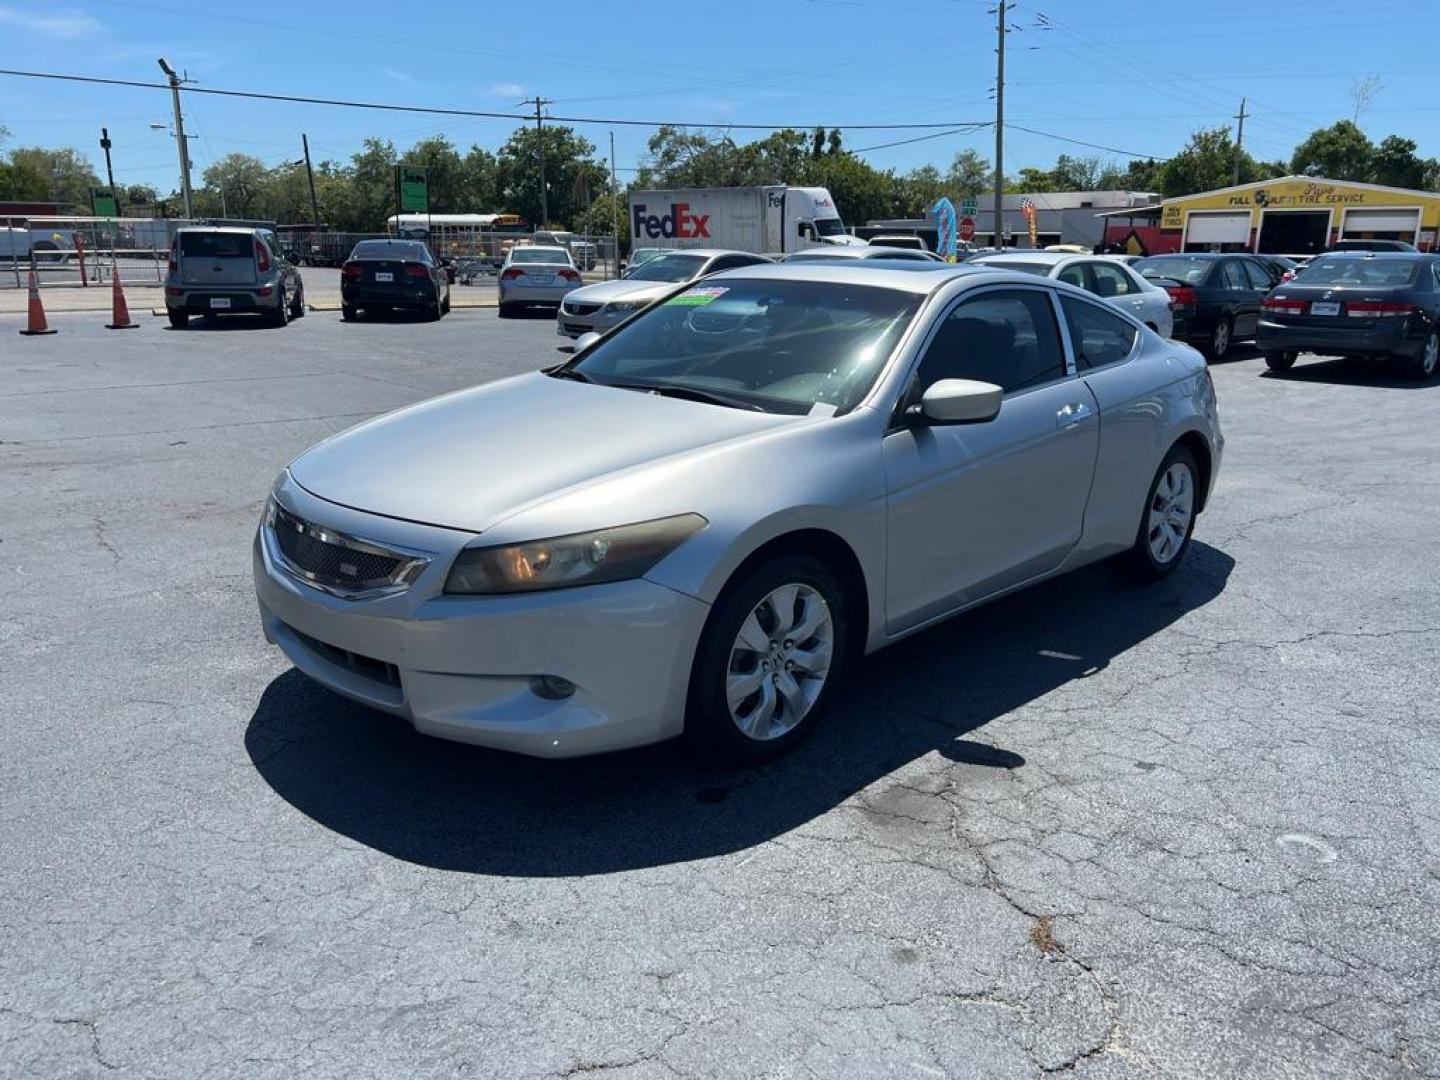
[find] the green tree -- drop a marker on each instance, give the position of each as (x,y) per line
(1340,152)
(1395,163)
(570,169)
(39,174)
(1208,162)
(478,182)
(234,185)
(969,174)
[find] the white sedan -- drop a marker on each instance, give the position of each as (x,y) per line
(1108,278)
(536,275)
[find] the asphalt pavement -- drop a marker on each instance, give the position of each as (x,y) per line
(1097,829)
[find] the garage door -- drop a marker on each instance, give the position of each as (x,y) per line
(1223,227)
(1368,223)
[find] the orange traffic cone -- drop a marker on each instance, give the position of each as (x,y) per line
(36,323)
(119,313)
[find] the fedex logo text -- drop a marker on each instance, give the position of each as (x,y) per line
(679,224)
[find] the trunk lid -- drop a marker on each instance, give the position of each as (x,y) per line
(217,258)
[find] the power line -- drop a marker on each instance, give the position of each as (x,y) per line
(482,114)
(966,130)
(1091,145)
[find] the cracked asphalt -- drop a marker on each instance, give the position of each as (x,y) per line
(1102,830)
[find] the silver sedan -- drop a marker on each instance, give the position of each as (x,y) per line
(596,308)
(536,275)
(1110,278)
(700,522)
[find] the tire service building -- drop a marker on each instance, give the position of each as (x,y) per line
(1291,215)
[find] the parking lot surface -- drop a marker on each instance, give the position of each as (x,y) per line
(1097,829)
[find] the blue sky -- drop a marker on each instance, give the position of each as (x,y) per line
(1130,74)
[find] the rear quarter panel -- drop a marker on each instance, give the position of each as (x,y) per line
(1146,405)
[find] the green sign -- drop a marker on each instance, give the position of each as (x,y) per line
(103,202)
(967,206)
(414,192)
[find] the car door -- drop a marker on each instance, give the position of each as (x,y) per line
(977,508)
(1261,280)
(1240,298)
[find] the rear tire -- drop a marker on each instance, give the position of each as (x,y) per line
(1280,361)
(178,319)
(507,311)
(740,702)
(1167,519)
(1218,345)
(1423,366)
(348,312)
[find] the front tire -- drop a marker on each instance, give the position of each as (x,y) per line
(1168,518)
(774,649)
(1280,361)
(297,306)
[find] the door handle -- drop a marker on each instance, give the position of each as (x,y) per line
(1072,415)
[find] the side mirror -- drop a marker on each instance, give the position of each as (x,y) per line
(960,401)
(585,340)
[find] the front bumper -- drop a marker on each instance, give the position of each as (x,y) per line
(1385,337)
(461,667)
(569,325)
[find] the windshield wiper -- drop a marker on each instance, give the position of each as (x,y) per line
(690,393)
(570,373)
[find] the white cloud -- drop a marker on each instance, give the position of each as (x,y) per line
(71,24)
(506,89)
(400,76)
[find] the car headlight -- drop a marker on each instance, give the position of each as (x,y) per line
(617,307)
(589,558)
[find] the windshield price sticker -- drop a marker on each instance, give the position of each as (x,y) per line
(705,294)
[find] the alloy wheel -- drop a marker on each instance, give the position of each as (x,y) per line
(780,661)
(1171,509)
(1220,343)
(1431,355)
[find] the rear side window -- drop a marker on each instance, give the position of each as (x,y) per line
(1232,276)
(1111,280)
(1259,278)
(1074,274)
(1100,337)
(217,245)
(1007,337)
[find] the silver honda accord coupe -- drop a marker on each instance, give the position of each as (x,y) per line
(701,520)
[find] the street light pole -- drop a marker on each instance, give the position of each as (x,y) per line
(105,145)
(538,102)
(184,147)
(999,118)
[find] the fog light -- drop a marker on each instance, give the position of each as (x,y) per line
(551,687)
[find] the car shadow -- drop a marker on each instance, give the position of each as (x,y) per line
(1349,371)
(211,324)
(391,315)
(369,777)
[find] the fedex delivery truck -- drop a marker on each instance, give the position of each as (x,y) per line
(764,220)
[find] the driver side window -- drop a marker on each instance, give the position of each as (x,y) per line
(1005,336)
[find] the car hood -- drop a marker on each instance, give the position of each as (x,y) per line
(602,292)
(473,458)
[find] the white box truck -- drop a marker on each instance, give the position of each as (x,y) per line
(765,220)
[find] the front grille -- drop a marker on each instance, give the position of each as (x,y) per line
(580,308)
(365,666)
(335,561)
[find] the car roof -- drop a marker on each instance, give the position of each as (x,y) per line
(1048,258)
(903,276)
(239,229)
(1201,256)
(542,247)
(709,253)
(1390,256)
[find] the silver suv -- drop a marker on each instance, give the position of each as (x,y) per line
(219,270)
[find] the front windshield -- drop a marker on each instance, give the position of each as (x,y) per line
(1190,271)
(779,346)
(830,226)
(672,266)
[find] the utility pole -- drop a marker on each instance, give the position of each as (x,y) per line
(105,145)
(539,102)
(1239,140)
(184,147)
(999,116)
(615,202)
(310,175)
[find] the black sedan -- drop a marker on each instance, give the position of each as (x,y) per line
(1215,297)
(1375,304)
(382,275)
